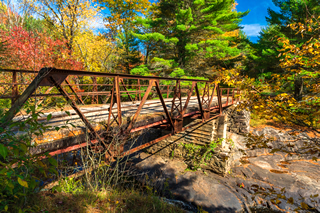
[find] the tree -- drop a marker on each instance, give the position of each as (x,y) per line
(297,61)
(120,24)
(67,17)
(267,51)
(33,51)
(191,33)
(96,52)
(291,11)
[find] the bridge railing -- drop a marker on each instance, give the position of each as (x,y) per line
(14,82)
(117,91)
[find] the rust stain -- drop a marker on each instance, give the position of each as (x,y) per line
(51,136)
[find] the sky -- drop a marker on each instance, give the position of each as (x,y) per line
(256,19)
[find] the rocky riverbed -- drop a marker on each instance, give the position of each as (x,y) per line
(278,172)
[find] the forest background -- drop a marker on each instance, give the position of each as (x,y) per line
(278,75)
(202,39)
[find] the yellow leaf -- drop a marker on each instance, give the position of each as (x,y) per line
(304,205)
(22,182)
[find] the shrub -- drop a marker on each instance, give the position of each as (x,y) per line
(21,172)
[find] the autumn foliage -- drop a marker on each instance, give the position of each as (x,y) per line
(33,51)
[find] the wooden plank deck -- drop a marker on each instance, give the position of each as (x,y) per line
(152,114)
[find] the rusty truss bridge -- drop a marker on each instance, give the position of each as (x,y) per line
(101,106)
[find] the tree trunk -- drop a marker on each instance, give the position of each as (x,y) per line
(298,88)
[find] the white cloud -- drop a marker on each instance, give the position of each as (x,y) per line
(98,23)
(252,29)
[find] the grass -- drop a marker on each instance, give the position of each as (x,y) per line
(130,201)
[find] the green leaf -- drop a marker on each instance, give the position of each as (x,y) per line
(3,151)
(23,182)
(23,147)
(53,161)
(10,185)
(49,117)
(68,113)
(3,171)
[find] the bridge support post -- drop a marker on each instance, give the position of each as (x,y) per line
(219,93)
(14,87)
(178,119)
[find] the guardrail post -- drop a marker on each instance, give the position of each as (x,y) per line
(233,95)
(95,98)
(118,97)
(139,89)
(227,96)
(14,87)
(219,94)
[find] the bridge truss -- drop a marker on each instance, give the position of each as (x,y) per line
(80,88)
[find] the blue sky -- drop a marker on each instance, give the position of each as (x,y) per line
(256,18)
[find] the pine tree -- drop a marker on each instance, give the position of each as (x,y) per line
(191,33)
(130,56)
(291,11)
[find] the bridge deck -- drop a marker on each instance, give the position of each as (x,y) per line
(151,115)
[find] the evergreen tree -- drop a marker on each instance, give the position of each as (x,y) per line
(130,56)
(119,24)
(290,11)
(190,34)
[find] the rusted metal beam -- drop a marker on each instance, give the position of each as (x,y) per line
(164,106)
(24,97)
(219,99)
(228,96)
(14,87)
(210,102)
(144,99)
(139,89)
(78,111)
(125,88)
(118,98)
(95,98)
(199,101)
(176,95)
(143,146)
(112,75)
(188,98)
(74,92)
(233,95)
(110,107)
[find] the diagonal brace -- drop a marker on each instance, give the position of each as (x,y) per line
(80,114)
(144,99)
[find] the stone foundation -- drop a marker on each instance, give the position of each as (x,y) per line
(238,121)
(191,144)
